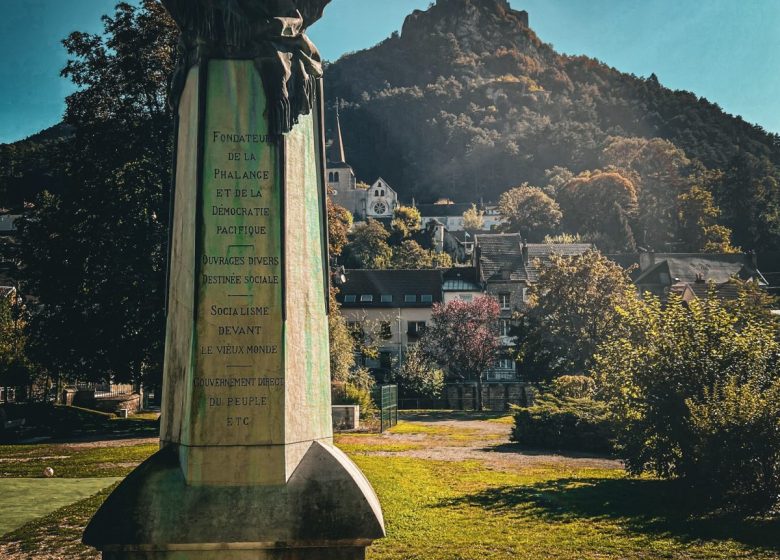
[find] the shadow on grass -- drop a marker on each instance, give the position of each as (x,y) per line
(447,415)
(653,507)
(517,449)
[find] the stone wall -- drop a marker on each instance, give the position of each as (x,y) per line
(495,396)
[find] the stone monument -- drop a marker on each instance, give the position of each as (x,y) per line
(247,468)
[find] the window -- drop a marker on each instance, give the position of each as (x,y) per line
(505,363)
(366,298)
(376,193)
(503,327)
(415,329)
(504,301)
(465,297)
(525,295)
(386,330)
(386,298)
(336,177)
(382,192)
(425,298)
(330,177)
(410,298)
(350,299)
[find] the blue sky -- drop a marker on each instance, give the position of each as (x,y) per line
(725,50)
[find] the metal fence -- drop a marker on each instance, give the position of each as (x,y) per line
(106,390)
(386,399)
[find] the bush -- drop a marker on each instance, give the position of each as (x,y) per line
(736,431)
(418,377)
(563,423)
(347,393)
(574,386)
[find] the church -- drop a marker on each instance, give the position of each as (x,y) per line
(377,201)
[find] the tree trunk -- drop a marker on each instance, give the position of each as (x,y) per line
(480,404)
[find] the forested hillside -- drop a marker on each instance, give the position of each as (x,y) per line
(467,102)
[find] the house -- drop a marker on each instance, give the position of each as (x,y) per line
(461,283)
(693,275)
(507,266)
(451,215)
(395,304)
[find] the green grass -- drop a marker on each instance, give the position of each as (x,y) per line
(24,461)
(24,499)
(461,511)
(56,535)
(436,510)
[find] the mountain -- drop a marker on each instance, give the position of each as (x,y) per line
(467,101)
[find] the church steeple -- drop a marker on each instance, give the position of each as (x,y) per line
(339,139)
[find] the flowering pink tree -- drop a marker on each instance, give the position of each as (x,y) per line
(463,337)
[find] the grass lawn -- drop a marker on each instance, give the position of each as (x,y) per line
(24,499)
(510,505)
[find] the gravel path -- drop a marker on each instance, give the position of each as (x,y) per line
(465,440)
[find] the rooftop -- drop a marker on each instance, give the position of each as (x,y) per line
(501,256)
(391,288)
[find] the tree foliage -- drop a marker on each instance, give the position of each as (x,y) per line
(462,337)
(693,388)
(406,221)
(102,236)
(530,212)
(571,311)
(368,246)
(339,223)
(473,218)
(418,376)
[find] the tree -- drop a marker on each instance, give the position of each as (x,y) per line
(463,338)
(406,221)
(368,246)
(411,256)
(573,308)
(473,219)
(15,367)
(339,223)
(691,385)
(659,169)
(417,376)
(750,198)
(698,223)
(530,212)
(600,203)
(103,236)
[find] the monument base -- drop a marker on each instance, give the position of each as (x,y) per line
(327,510)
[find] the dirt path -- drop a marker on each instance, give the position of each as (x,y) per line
(438,438)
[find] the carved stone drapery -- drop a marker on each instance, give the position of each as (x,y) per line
(270,32)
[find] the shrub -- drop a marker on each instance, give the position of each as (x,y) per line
(348,393)
(574,386)
(572,424)
(736,430)
(418,376)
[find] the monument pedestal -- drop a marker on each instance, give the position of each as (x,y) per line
(247,469)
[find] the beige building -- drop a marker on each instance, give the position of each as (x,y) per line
(394,304)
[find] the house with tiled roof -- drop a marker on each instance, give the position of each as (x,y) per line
(507,266)
(694,275)
(395,304)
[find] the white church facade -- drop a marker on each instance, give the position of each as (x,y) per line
(377,201)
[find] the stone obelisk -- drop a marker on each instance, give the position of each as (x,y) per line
(247,468)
